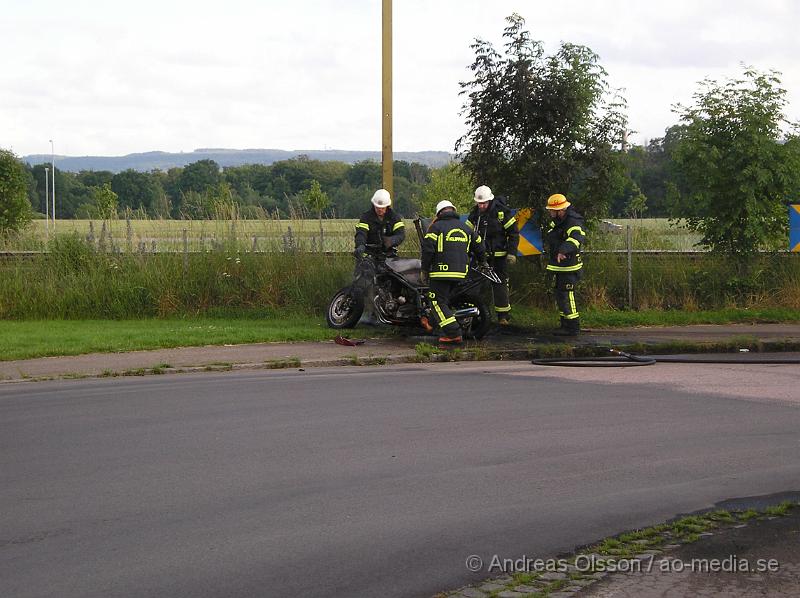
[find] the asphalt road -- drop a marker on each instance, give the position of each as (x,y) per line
(366,481)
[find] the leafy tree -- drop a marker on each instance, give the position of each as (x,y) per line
(365,173)
(15,208)
(636,204)
(199,176)
(451,182)
(739,168)
(317,200)
(542,124)
(136,189)
(105,201)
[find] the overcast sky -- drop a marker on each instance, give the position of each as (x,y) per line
(111,78)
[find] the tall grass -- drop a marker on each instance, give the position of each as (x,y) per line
(76,280)
(671,281)
(73,280)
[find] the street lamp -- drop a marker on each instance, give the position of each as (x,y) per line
(53,161)
(46,202)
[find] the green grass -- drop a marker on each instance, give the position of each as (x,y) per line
(42,338)
(25,339)
(609,318)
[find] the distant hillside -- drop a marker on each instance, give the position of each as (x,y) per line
(147,161)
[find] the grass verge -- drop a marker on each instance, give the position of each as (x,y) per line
(612,318)
(44,338)
(572,572)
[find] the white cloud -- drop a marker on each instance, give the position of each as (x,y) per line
(100,78)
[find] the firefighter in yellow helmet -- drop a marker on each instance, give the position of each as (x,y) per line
(565,239)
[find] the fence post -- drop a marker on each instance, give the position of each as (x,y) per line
(185,251)
(101,245)
(129,235)
(629,243)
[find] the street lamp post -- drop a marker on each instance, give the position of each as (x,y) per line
(53,161)
(46,202)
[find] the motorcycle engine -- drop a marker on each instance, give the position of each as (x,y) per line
(385,301)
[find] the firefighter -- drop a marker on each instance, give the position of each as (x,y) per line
(380,229)
(497,226)
(378,233)
(565,240)
(446,250)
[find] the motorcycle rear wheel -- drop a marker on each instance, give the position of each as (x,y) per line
(474,327)
(344,309)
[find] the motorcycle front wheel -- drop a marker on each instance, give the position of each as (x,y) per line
(474,327)
(345,309)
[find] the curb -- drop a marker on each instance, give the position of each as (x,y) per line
(437,355)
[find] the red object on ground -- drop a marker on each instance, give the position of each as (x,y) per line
(346,342)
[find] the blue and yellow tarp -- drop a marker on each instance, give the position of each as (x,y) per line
(530,236)
(794,228)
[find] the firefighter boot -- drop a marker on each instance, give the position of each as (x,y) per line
(569,327)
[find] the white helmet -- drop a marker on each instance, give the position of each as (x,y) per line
(442,205)
(482,194)
(381,199)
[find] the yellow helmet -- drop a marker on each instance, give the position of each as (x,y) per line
(557,202)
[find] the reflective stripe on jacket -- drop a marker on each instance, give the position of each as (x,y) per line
(372,231)
(497,226)
(447,246)
(566,236)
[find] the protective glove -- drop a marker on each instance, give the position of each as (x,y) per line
(511,259)
(360,249)
(387,242)
(424,279)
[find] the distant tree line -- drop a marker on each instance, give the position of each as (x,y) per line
(204,190)
(537,124)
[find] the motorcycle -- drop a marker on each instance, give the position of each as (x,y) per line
(400,299)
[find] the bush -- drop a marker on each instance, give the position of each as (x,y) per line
(15,209)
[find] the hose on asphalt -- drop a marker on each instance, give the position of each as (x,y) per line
(621,359)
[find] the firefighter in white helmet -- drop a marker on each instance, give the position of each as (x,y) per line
(446,249)
(380,229)
(497,225)
(378,233)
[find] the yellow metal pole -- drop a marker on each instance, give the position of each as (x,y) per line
(386,153)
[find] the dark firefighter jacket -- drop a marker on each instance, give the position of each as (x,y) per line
(566,236)
(371,231)
(447,246)
(497,226)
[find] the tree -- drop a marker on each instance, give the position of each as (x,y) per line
(540,124)
(136,190)
(739,168)
(105,201)
(636,205)
(15,208)
(316,199)
(451,182)
(199,176)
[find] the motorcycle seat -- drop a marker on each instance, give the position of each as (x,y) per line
(404,265)
(408,268)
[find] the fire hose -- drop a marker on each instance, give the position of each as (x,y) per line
(623,359)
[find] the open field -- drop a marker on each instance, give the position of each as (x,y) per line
(201,235)
(301,234)
(647,233)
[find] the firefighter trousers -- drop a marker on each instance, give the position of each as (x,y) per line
(439,296)
(566,284)
(502,305)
